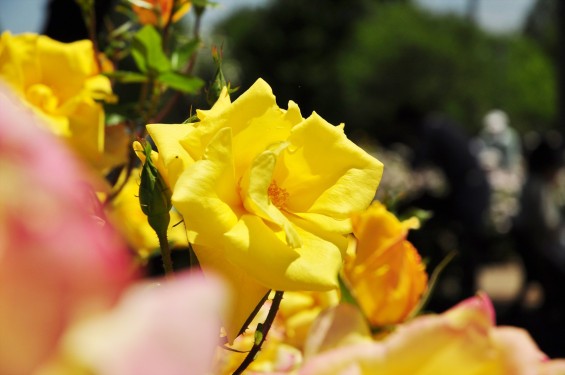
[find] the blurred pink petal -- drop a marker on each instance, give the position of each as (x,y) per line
(56,261)
(167,329)
(336,326)
(461,341)
(554,367)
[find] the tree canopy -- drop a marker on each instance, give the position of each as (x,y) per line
(358,61)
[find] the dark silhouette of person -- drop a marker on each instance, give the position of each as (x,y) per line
(539,227)
(461,212)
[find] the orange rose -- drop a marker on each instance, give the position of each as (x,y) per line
(158,12)
(384,270)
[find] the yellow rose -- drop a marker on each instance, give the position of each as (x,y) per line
(61,83)
(266,195)
(384,271)
(298,311)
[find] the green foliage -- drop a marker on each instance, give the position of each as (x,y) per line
(541,26)
(400,54)
(180,82)
(183,51)
(369,58)
(293,45)
(527,84)
(127,77)
(147,51)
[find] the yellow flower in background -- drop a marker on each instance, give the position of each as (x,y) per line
(298,310)
(125,213)
(384,270)
(266,195)
(61,83)
(158,12)
(276,355)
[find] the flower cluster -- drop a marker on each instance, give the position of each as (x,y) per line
(294,268)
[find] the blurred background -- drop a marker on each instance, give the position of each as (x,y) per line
(463,101)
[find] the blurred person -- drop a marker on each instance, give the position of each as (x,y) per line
(459,214)
(539,227)
(499,150)
(500,146)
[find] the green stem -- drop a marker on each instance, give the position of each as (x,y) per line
(264,330)
(166,254)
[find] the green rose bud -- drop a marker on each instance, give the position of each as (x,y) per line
(154,195)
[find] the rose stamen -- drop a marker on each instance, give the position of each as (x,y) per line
(277,195)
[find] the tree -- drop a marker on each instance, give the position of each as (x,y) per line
(358,61)
(293,45)
(400,54)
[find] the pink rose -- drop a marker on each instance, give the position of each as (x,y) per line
(462,341)
(57,261)
(168,328)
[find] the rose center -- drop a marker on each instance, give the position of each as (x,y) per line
(43,97)
(277,195)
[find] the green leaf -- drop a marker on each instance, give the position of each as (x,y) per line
(127,77)
(177,81)
(147,51)
(181,54)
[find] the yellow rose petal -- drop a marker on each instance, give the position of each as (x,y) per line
(172,155)
(244,290)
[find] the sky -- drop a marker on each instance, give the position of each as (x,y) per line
(498,16)
(493,15)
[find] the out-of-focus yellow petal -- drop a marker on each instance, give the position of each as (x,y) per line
(88,138)
(61,83)
(181,10)
(19,65)
(75,60)
(99,87)
(299,310)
